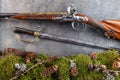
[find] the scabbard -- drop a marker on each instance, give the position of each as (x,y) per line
(61,39)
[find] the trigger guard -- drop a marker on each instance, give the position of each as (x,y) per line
(73,26)
(78,24)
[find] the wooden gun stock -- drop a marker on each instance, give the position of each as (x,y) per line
(112,28)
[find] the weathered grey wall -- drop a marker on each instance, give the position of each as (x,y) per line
(99,9)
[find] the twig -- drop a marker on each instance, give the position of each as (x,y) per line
(44,61)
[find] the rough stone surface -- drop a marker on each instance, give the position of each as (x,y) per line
(99,9)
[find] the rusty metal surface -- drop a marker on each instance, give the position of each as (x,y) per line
(99,9)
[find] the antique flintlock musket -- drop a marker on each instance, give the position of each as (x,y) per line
(109,28)
(58,38)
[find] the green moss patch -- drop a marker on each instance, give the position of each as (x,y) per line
(63,72)
(107,57)
(7,66)
(7,69)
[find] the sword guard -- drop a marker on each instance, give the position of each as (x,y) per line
(29,41)
(30,32)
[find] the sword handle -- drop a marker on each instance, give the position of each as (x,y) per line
(26,31)
(23,31)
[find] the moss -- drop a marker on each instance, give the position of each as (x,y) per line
(82,62)
(107,57)
(117,78)
(96,75)
(42,56)
(34,74)
(63,71)
(7,66)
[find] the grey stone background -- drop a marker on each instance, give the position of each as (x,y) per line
(99,9)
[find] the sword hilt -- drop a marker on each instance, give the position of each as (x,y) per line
(23,31)
(26,31)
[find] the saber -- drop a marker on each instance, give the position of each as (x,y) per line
(58,38)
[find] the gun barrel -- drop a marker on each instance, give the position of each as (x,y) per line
(4,15)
